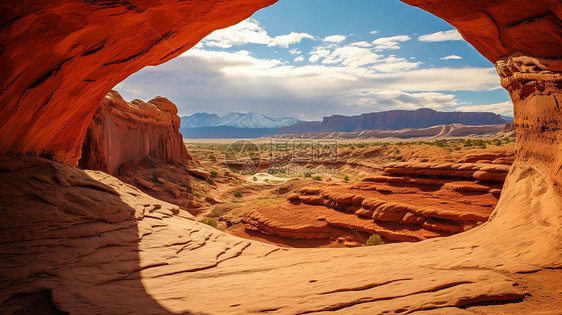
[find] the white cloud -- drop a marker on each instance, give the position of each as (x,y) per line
(295,51)
(441,36)
(335,38)
(451,57)
(392,42)
(397,99)
(299,59)
(250,32)
(373,32)
(351,56)
(504,108)
(245,32)
(249,83)
(392,64)
(360,44)
(286,40)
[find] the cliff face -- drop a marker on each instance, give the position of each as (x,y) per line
(124,131)
(101,246)
(60,58)
(393,120)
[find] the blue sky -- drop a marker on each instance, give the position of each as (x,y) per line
(315,58)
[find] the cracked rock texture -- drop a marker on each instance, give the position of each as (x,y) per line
(101,246)
(416,202)
(123,131)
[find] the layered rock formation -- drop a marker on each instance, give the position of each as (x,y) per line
(60,59)
(393,120)
(123,131)
(431,133)
(101,246)
(414,201)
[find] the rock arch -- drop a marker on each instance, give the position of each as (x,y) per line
(59,59)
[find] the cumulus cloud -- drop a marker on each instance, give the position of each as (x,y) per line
(246,32)
(441,36)
(286,40)
(335,38)
(295,51)
(360,44)
(351,56)
(397,99)
(373,32)
(451,57)
(393,42)
(250,31)
(299,59)
(248,83)
(314,58)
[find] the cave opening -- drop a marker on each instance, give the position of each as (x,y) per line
(385,92)
(99,245)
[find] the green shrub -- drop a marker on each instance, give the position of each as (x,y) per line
(212,157)
(374,239)
(238,194)
(255,179)
(318,178)
(307,174)
(217,213)
(196,194)
(266,180)
(346,178)
(209,221)
(214,174)
(210,181)
(467,143)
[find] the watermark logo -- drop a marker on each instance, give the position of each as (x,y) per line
(243,156)
(282,156)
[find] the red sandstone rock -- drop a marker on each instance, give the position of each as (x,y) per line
(293,196)
(480,171)
(124,131)
(199,172)
(59,59)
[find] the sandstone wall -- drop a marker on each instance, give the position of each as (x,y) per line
(60,58)
(124,131)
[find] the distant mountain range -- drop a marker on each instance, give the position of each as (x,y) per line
(255,125)
(232,125)
(393,120)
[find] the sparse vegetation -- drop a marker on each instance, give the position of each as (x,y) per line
(237,194)
(374,240)
(214,174)
(318,178)
(210,181)
(255,179)
(196,194)
(346,178)
(212,157)
(209,221)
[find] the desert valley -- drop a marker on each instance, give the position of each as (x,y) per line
(116,206)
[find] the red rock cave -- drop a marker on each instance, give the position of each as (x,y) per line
(91,244)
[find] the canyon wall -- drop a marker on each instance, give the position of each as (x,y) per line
(101,246)
(123,131)
(60,58)
(393,120)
